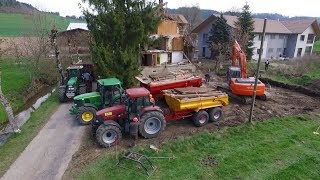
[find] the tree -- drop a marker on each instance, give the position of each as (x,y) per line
(219,40)
(244,31)
(5,103)
(119,30)
(193,15)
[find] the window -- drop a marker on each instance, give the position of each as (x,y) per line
(204,38)
(299,52)
(272,36)
(204,52)
(281,36)
(260,37)
(270,50)
(279,50)
(302,37)
(310,38)
(308,49)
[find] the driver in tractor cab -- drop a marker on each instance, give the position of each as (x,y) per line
(87,79)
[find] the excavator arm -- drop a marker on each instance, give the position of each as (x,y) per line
(241,56)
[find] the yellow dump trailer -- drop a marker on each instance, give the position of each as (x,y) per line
(203,104)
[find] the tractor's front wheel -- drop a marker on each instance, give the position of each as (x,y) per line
(82,89)
(62,95)
(86,115)
(152,124)
(108,135)
(200,118)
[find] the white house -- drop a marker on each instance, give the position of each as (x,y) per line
(73,26)
(291,38)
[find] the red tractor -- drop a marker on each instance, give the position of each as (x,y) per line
(112,121)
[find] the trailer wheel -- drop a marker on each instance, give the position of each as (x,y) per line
(152,124)
(86,115)
(200,118)
(215,114)
(108,135)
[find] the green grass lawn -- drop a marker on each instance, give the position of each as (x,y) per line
(15,81)
(280,148)
(13,25)
(18,142)
(317,47)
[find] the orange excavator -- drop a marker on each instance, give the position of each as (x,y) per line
(240,85)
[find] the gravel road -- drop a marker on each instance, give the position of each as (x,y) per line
(49,153)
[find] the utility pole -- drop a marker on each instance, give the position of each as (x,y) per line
(257,71)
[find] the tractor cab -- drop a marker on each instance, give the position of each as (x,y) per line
(138,99)
(110,91)
(74,71)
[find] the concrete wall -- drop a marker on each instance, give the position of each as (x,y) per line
(203,44)
(276,44)
(177,57)
(303,44)
(163,58)
(272,42)
(256,46)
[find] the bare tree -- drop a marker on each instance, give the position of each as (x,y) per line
(193,15)
(4,101)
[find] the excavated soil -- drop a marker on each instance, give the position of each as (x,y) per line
(283,102)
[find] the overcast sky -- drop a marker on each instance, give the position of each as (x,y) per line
(285,7)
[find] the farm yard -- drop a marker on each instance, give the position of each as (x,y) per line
(270,116)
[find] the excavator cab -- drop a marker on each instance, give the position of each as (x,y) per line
(233,72)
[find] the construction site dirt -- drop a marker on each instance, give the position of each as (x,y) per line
(284,102)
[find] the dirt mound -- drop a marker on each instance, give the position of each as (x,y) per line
(315,85)
(315,92)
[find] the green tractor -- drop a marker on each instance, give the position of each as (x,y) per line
(73,84)
(109,92)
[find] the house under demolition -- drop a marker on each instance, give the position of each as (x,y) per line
(169,42)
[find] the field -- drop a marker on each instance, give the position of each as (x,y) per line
(15,81)
(280,148)
(14,25)
(309,76)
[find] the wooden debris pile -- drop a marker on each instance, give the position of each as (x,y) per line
(168,76)
(194,92)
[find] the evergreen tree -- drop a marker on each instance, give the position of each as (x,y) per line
(219,40)
(244,30)
(119,29)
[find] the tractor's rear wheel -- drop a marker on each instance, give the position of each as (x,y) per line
(215,114)
(62,95)
(86,115)
(108,135)
(151,124)
(200,118)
